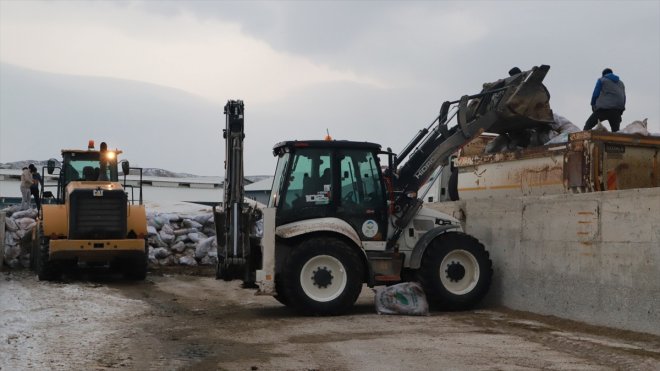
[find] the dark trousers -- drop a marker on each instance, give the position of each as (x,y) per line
(613,116)
(37,200)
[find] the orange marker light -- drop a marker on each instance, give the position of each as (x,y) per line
(90,145)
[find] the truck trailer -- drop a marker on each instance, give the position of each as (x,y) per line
(590,161)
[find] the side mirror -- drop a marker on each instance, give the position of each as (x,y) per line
(50,166)
(48,194)
(125,167)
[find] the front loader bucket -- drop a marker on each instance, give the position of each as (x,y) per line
(521,101)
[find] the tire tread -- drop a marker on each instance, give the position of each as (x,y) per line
(427,275)
(295,297)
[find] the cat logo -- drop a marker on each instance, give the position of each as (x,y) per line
(97,193)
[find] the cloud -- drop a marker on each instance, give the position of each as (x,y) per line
(375,71)
(155,126)
(453,47)
(212,59)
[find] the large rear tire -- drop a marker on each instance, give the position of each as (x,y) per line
(456,271)
(322,276)
(47,270)
(135,268)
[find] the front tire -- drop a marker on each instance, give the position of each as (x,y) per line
(279,288)
(322,276)
(47,270)
(135,268)
(456,271)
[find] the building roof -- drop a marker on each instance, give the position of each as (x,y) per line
(262,185)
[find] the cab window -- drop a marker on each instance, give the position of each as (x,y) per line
(360,179)
(310,180)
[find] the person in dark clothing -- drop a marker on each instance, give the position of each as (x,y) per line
(608,101)
(34,188)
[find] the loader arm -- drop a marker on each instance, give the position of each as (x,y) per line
(514,101)
(237,252)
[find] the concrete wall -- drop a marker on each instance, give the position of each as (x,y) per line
(592,257)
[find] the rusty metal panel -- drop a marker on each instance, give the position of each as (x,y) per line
(590,161)
(534,175)
(628,167)
(477,146)
(574,168)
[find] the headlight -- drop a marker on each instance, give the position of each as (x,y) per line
(110,155)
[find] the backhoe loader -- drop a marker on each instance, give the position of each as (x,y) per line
(345,213)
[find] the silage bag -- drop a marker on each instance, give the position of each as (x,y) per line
(403,298)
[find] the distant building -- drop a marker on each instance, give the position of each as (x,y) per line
(202,190)
(260,190)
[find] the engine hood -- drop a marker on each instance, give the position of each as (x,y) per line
(106,186)
(431,213)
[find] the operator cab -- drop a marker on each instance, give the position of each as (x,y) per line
(340,179)
(88,166)
(85,166)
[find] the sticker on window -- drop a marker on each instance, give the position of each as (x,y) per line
(319,198)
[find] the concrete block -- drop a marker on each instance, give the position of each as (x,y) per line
(591,257)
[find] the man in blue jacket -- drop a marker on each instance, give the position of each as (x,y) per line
(608,101)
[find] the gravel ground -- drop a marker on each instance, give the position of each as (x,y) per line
(191,321)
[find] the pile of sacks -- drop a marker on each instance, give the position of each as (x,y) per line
(557,132)
(18,227)
(174,239)
(181,239)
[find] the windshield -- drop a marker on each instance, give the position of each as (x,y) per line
(89,167)
(277,181)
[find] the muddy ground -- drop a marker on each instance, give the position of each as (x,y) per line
(182,321)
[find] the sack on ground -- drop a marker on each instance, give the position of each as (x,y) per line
(403,298)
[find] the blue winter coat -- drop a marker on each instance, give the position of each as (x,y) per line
(609,93)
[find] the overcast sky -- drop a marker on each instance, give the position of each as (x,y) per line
(152,77)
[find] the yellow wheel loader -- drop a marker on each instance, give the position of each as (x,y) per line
(91,219)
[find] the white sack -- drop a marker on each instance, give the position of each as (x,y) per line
(161,253)
(11,225)
(188,260)
(165,237)
(179,246)
(403,298)
(203,218)
(192,224)
(25,223)
(29,213)
(636,127)
(203,247)
(151,231)
(562,125)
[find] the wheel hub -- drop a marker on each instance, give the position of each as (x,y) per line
(455,271)
(322,277)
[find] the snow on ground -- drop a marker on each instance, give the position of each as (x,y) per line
(62,326)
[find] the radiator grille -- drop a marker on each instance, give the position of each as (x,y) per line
(97,217)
